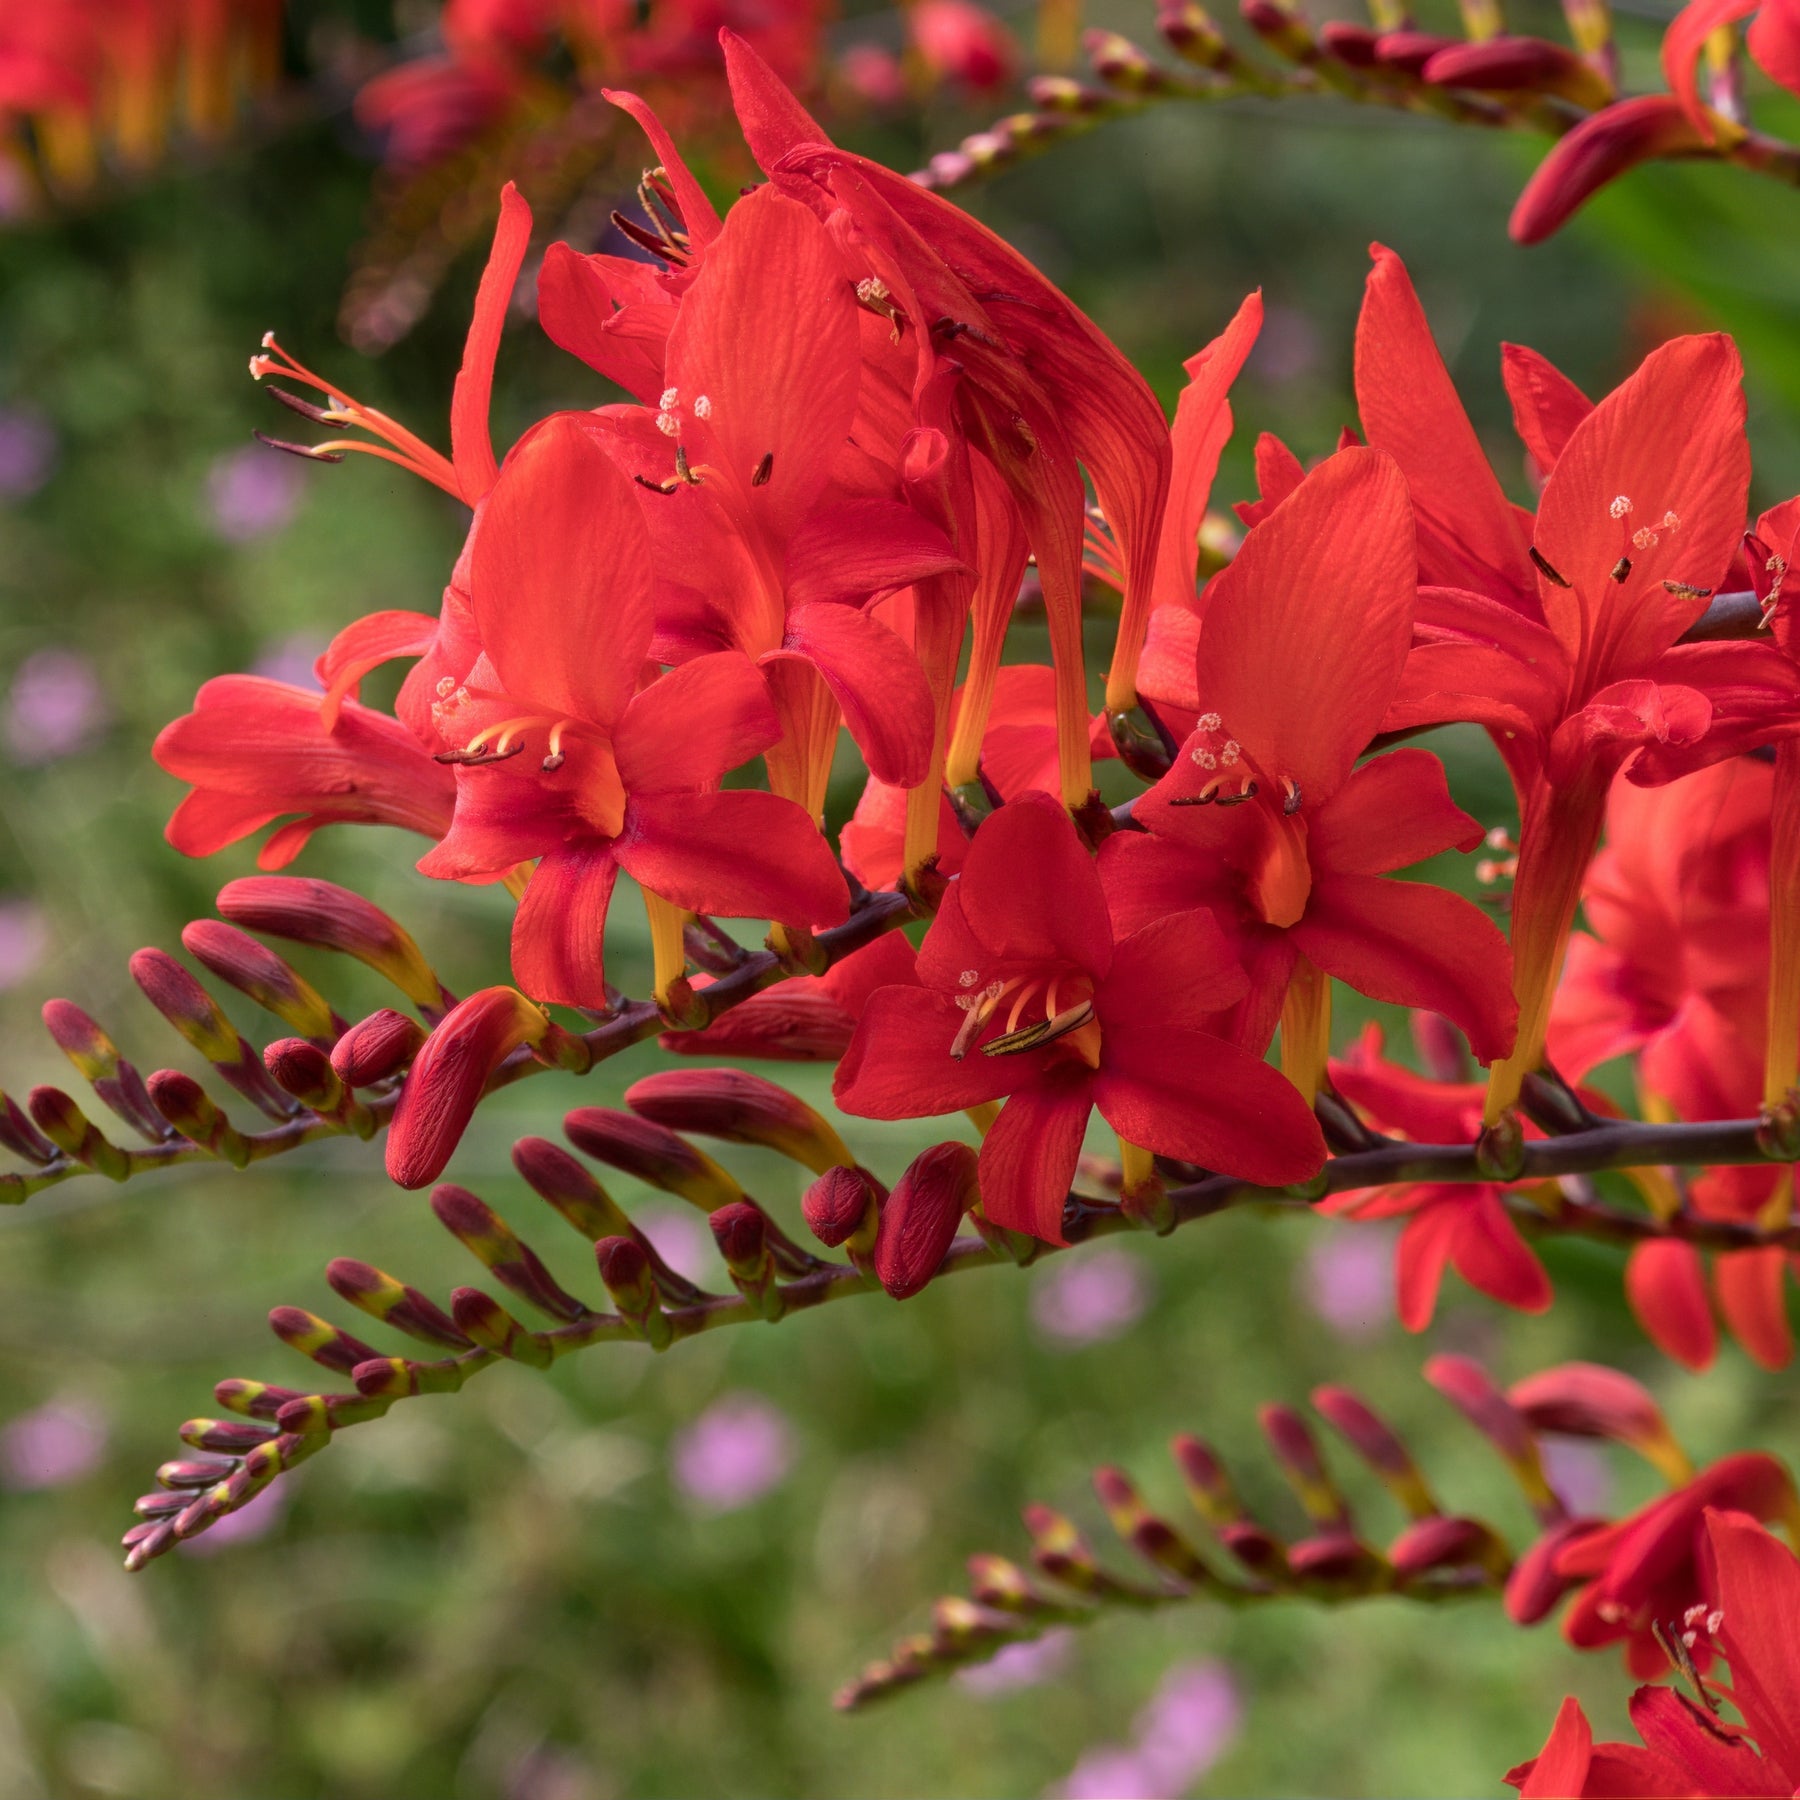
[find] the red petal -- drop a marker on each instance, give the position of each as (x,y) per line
(873,842)
(560,927)
(877,682)
(471,447)
(1752,1290)
(1029,1155)
(1301,714)
(1420,1259)
(698,215)
(1469,536)
(1773,41)
(1147,876)
(1682,44)
(1604,145)
(576,308)
(1394,811)
(1178,970)
(1546,404)
(366,644)
(1599,1011)
(560,575)
(1759,1594)
(741,855)
(773,121)
(1623,719)
(1671,1728)
(206,821)
(689,727)
(1196,1097)
(1670,439)
(899,1065)
(1561,1767)
(1665,1283)
(858,550)
(1490,1255)
(1417,946)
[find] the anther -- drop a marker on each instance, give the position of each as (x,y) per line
(1683,591)
(1544,569)
(1247,792)
(552,762)
(1046,1031)
(1294,799)
(306,450)
(1622,567)
(1620,507)
(1644,539)
(702,408)
(305,408)
(760,475)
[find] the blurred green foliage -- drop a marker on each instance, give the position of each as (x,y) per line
(505,1594)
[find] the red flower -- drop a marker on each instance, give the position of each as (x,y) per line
(1773,41)
(1026,992)
(1265,817)
(958,41)
(559,756)
(1462,1225)
(256,749)
(1688,1746)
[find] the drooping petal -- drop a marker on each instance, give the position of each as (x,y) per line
(578,311)
(366,644)
(1469,536)
(1546,404)
(1713,1764)
(698,215)
(1177,970)
(1416,946)
(899,1064)
(1029,1155)
(1333,564)
(694,724)
(471,446)
(773,121)
(1665,1282)
(877,682)
(1394,811)
(560,574)
(1199,1098)
(1773,41)
(1420,1259)
(1489,1255)
(1752,1290)
(1622,720)
(206,821)
(858,550)
(560,927)
(1148,875)
(739,854)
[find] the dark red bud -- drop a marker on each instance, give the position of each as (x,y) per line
(919,1218)
(304,1070)
(840,1206)
(376,1047)
(256,970)
(652,1153)
(741,1232)
(741,1108)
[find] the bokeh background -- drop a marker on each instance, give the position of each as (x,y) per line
(638,1576)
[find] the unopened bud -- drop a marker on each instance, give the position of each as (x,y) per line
(301,1068)
(653,1154)
(1602,147)
(193,1012)
(919,1218)
(226,1436)
(450,1074)
(1376,1443)
(842,1212)
(1297,1454)
(741,1108)
(394,1303)
(75,1134)
(631,1283)
(558,1178)
(1209,1484)
(1589,1400)
(741,1231)
(515,1265)
(253,1399)
(1467,1386)
(318,1338)
(1001,1584)
(482,1318)
(1153,1538)
(1061,1551)
(1428,1545)
(305,910)
(20,1136)
(256,970)
(1191,34)
(376,1047)
(190,1109)
(94,1054)
(790,1022)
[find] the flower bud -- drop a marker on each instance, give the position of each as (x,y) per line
(1529,65)
(94,1054)
(1209,1484)
(1536,1584)
(790,1022)
(1602,147)
(256,970)
(1439,1542)
(376,1047)
(304,1070)
(75,1134)
(557,1177)
(1298,1456)
(450,1074)
(653,1154)
(225,1435)
(193,1012)
(253,1399)
(842,1211)
(305,910)
(195,1472)
(515,1265)
(962,42)
(318,1338)
(631,1283)
(190,1109)
(741,1230)
(1375,1442)
(1061,1551)
(919,1218)
(1191,34)
(20,1136)
(1466,1385)
(1589,1400)
(1153,1538)
(741,1108)
(395,1303)
(486,1322)
(997,1582)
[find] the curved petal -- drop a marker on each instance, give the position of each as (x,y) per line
(876,681)
(471,447)
(857,550)
(1029,1155)
(1394,811)
(1561,1767)
(1682,44)
(698,216)
(559,930)
(1147,876)
(1546,404)
(1196,1097)
(207,820)
(366,644)
(740,854)
(560,575)
(579,312)
(1665,1282)
(1597,1013)
(1773,41)
(1602,147)
(1306,633)
(1752,1290)
(690,726)
(1417,946)
(1489,1255)
(899,1064)
(1759,1593)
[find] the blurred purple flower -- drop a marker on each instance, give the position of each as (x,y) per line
(55,706)
(1020,1665)
(1191,1721)
(252,492)
(52,1446)
(28,452)
(1090,1297)
(24,937)
(246,1525)
(1580,1473)
(1348,1278)
(291,659)
(735,1452)
(1109,1773)
(680,1238)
